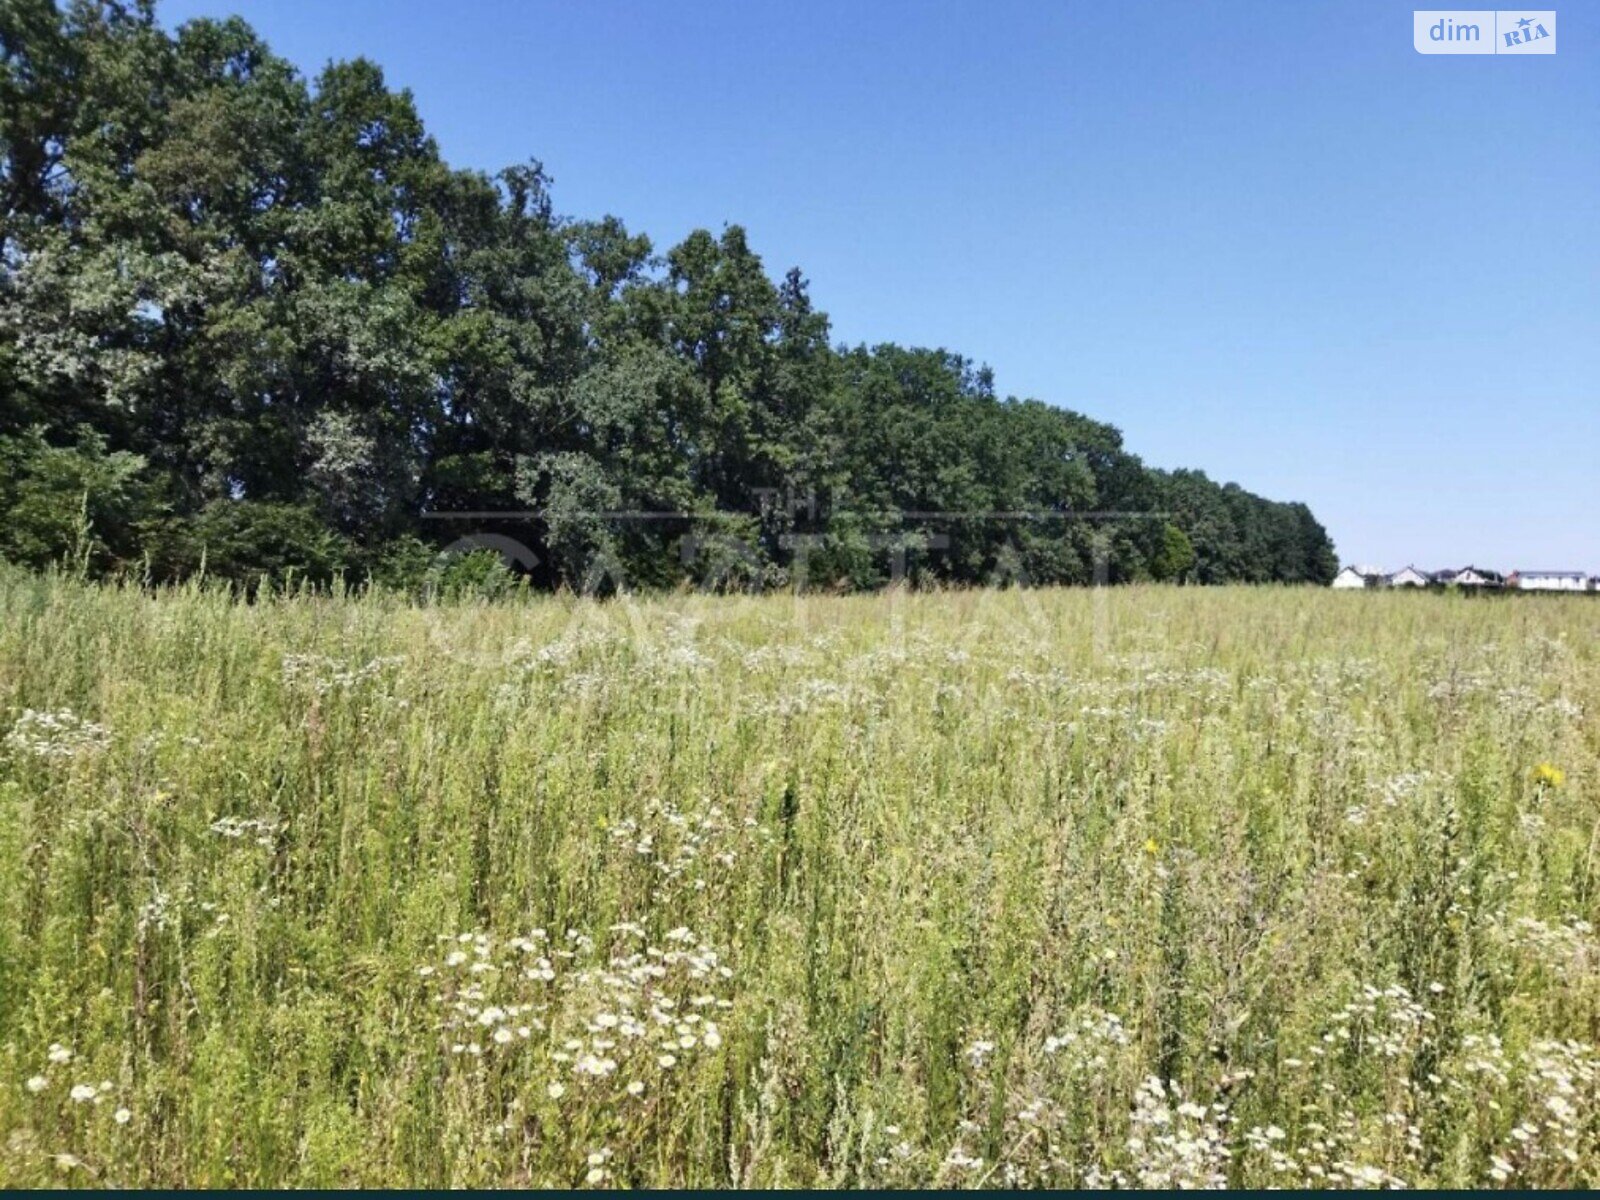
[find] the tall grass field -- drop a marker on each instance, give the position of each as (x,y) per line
(1121,887)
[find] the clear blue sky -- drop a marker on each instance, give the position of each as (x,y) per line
(1266,239)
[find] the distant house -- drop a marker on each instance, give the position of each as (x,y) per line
(1549,581)
(1358,577)
(1410,577)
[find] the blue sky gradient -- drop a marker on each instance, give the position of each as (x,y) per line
(1268,240)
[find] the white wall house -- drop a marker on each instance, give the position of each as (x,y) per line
(1550,581)
(1358,577)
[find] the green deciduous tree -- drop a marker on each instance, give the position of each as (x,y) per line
(255,321)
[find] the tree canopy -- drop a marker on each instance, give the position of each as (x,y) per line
(254,323)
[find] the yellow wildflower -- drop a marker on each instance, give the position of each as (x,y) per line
(1550,773)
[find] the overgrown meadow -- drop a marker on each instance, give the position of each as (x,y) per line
(1139,886)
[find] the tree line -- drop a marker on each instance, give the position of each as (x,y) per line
(255,325)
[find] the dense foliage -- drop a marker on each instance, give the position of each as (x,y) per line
(256,324)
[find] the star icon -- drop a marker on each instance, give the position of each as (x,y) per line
(1525,22)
